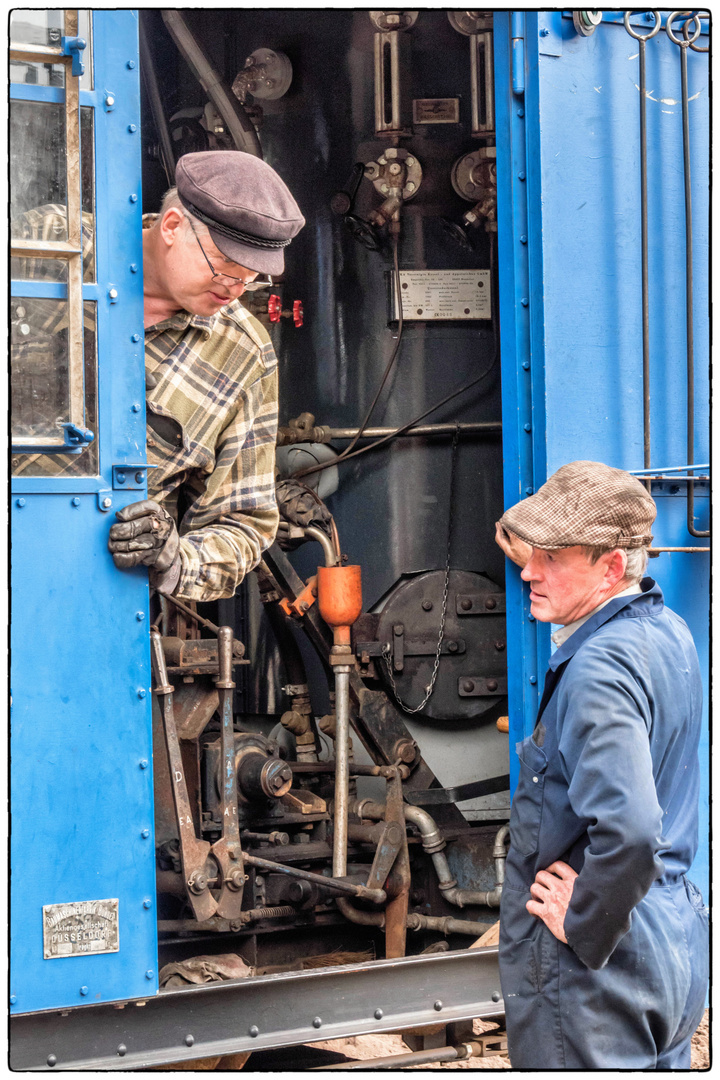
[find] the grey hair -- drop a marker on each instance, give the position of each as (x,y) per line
(170,201)
(637,560)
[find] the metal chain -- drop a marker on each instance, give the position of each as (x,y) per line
(386,648)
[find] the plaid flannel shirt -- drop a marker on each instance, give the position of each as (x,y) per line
(211,430)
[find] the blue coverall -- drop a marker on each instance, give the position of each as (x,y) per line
(609,784)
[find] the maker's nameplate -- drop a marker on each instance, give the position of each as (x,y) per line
(436,111)
(443,294)
(85,926)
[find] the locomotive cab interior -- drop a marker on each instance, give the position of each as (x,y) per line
(381,123)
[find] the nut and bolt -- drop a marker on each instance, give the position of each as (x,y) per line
(452,646)
(84,990)
(197,882)
(384,188)
(149,973)
(144,761)
(75,501)
(145,833)
(107,503)
(147,903)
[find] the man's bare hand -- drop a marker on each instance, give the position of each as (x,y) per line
(552,889)
(515,548)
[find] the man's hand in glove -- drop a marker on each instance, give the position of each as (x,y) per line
(146,536)
(298,505)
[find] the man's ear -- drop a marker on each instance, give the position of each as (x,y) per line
(616,565)
(171,225)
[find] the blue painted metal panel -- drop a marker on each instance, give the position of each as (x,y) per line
(571,237)
(81,781)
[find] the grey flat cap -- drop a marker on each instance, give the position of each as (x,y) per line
(247,207)
(586,503)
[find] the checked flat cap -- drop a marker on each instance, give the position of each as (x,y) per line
(247,207)
(586,503)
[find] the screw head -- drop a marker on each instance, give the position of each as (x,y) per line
(107,503)
(120,477)
(317,1022)
(523,239)
(149,973)
(521,176)
(466,604)
(521,113)
(544,31)
(468,686)
(132,128)
(109,99)
(133,198)
(492,684)
(133,268)
(144,763)
(491,603)
(135,407)
(139,615)
(528,490)
(531,618)
(20,503)
(147,902)
(131,64)
(452,646)
(122,1050)
(438,1006)
(533,679)
(378,1014)
(75,501)
(189,1040)
(139,477)
(427,605)
(134,337)
(527,427)
(145,833)
(526,365)
(499,645)
(84,990)
(113,294)
(13,999)
(254,1031)
(524,301)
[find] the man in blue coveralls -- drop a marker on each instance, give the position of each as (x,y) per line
(603,940)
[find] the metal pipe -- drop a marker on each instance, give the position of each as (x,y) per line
(447,925)
(433,843)
(644,258)
(332,557)
(342,773)
(419,1057)
(479,428)
(375,896)
(657,550)
(147,71)
(236,119)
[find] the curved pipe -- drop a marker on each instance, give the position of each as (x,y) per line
(332,557)
(433,843)
(237,120)
(446,925)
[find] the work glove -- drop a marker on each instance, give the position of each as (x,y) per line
(146,536)
(298,505)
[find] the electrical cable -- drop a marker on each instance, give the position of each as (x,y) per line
(399,431)
(393,357)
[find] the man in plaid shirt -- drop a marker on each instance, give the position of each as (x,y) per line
(211,378)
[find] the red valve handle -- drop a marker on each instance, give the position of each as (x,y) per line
(298,312)
(274,307)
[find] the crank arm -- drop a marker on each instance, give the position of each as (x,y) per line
(193,852)
(227,851)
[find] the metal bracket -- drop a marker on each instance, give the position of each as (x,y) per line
(131,477)
(482,686)
(480,603)
(75,440)
(73,46)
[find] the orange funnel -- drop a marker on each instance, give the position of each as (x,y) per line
(339,599)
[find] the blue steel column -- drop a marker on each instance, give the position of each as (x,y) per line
(520,283)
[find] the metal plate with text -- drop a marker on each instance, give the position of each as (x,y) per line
(434,295)
(79,928)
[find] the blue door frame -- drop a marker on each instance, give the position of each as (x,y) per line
(567,120)
(81,772)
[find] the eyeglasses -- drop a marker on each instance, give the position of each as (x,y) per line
(227,279)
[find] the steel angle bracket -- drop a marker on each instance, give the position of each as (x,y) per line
(261,1013)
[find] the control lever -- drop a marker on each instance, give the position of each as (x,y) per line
(193,852)
(342,203)
(227,851)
